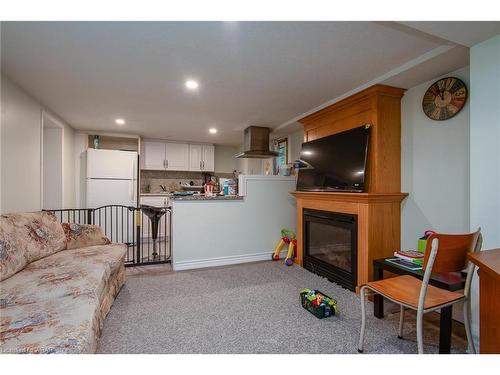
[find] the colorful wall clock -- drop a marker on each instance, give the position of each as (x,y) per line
(444,98)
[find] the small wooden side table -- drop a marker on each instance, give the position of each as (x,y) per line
(488,262)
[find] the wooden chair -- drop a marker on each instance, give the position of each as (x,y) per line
(444,253)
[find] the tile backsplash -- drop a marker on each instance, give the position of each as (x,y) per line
(172,180)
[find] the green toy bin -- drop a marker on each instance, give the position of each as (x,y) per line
(319,312)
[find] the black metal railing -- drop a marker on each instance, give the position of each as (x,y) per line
(128,225)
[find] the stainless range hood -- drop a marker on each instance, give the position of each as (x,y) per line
(256,144)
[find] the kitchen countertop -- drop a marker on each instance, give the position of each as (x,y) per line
(200,197)
(194,197)
(156,194)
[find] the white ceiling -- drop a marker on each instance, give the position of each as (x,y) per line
(250,73)
(460,32)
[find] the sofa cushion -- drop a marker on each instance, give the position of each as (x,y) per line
(51,305)
(69,273)
(83,235)
(12,252)
(113,255)
(26,237)
(62,325)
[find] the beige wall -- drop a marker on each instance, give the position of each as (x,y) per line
(434,168)
(52,167)
(21,151)
(295,141)
(224,158)
(69,192)
(79,147)
(20,121)
(484,151)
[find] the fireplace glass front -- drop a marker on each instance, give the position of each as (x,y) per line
(330,244)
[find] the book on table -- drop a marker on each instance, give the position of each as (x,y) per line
(405,263)
(411,256)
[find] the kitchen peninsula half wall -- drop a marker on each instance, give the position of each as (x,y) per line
(208,233)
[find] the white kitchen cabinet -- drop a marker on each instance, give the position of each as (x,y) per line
(153,155)
(201,157)
(161,155)
(176,156)
(195,157)
(156,201)
(208,158)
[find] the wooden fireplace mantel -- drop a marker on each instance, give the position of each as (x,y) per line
(351,197)
(378,210)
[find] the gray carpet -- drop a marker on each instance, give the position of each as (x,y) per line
(249,308)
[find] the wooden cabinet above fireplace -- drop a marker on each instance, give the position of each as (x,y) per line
(380,107)
(377,209)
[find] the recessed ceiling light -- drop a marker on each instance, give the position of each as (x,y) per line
(120,121)
(212,131)
(191,84)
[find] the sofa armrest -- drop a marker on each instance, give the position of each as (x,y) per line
(83,235)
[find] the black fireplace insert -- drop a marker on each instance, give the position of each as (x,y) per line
(330,246)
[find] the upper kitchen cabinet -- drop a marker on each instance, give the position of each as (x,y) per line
(153,155)
(195,157)
(208,158)
(201,158)
(161,155)
(176,156)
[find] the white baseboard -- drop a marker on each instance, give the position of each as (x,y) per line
(224,261)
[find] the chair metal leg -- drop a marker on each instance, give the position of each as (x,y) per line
(445,328)
(467,317)
(420,339)
(401,321)
(363,319)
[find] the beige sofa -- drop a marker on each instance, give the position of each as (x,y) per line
(57,284)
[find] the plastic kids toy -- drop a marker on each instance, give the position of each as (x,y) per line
(287,237)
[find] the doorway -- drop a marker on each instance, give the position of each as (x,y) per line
(52,162)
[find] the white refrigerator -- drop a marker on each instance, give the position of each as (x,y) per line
(111,178)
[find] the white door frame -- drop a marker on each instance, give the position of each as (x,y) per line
(47,116)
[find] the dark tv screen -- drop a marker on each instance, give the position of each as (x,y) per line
(335,163)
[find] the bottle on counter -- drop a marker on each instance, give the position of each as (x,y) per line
(96,142)
(232,188)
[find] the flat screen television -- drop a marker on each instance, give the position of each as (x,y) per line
(335,163)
